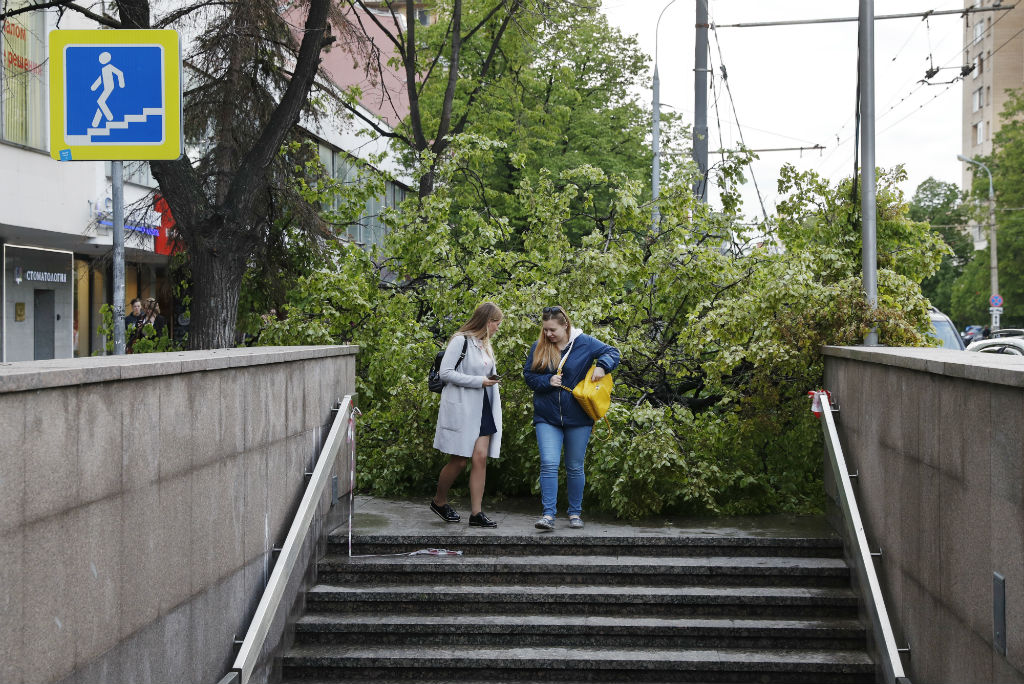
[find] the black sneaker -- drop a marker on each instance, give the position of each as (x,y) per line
(446,512)
(481,520)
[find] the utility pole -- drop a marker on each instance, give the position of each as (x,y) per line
(700,101)
(655,135)
(869,249)
(117,197)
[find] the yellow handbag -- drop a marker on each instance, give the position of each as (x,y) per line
(594,397)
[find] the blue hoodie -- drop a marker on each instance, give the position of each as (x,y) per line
(554,405)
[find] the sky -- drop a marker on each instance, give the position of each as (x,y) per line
(795,86)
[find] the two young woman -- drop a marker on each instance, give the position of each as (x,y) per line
(561,358)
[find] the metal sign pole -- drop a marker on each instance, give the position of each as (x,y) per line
(117,196)
(869,254)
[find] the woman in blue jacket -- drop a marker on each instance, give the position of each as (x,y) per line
(561,358)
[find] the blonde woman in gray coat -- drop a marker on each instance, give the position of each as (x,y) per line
(469,420)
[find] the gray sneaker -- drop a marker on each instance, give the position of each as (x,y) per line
(575,522)
(546,523)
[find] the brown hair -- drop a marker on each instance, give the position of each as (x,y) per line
(476,326)
(546,356)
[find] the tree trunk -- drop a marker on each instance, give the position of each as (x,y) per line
(216,282)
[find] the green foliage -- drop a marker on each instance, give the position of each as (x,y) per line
(719,345)
(145,343)
(941,205)
(971,290)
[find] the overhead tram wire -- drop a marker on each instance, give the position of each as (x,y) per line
(962,12)
(957,56)
(735,116)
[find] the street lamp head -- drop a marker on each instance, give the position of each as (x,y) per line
(964,159)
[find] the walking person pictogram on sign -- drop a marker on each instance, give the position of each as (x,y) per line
(106,77)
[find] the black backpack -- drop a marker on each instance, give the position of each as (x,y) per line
(434,381)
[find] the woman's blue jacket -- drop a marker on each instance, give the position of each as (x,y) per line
(554,405)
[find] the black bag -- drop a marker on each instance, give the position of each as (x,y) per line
(434,381)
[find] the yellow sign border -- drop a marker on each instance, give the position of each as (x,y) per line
(171,148)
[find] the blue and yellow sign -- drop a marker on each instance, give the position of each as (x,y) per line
(115,94)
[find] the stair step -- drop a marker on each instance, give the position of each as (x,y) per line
(542,630)
(643,601)
(572,544)
(610,569)
(583,664)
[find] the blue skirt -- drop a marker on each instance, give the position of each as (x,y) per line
(487,426)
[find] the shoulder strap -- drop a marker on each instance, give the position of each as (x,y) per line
(565,356)
(465,345)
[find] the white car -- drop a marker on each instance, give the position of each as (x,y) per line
(1013,346)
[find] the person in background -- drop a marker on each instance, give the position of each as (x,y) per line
(469,420)
(560,358)
(132,320)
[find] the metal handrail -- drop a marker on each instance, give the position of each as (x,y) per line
(892,665)
(253,643)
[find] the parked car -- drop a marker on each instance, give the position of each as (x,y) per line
(1013,346)
(972,333)
(1008,332)
(944,330)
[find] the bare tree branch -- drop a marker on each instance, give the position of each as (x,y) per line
(63,4)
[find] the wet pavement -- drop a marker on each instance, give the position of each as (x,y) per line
(516,516)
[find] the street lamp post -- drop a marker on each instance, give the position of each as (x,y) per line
(993,259)
(656,131)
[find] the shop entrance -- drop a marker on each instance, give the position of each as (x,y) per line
(43,324)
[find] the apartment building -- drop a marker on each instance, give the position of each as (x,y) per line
(994,47)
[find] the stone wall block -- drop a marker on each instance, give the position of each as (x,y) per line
(295,398)
(12,604)
(256,520)
(142,564)
(174,548)
(100,447)
(205,424)
(140,437)
(1008,560)
(217,494)
(966,584)
(94,576)
(1006,416)
(234,410)
(12,462)
(922,402)
(259,414)
(48,637)
(274,382)
(176,431)
(954,409)
(50,453)
(215,619)
(315,413)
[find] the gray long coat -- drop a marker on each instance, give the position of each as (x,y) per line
(462,399)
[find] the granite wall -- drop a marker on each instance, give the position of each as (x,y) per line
(936,436)
(141,498)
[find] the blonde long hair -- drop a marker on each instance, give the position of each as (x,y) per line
(546,356)
(476,326)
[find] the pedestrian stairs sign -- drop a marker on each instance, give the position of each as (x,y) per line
(115,94)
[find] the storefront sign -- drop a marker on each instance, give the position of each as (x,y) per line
(46,276)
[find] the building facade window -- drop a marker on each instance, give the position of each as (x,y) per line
(979,132)
(977,99)
(370,228)
(23,77)
(979,31)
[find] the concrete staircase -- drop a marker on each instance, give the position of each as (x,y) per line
(566,608)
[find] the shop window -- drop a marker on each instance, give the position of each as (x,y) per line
(23,77)
(80,315)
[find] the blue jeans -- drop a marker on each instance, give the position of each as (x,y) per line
(550,439)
